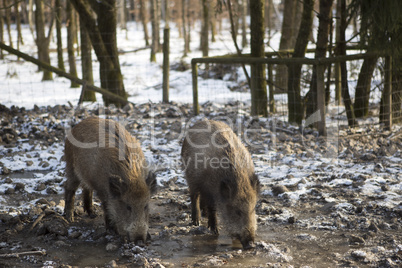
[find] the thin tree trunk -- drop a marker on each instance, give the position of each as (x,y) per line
(144,21)
(244,41)
(18,21)
(60,60)
(259,99)
(155,29)
(295,103)
(184,14)
(320,52)
(1,33)
(41,41)
(8,22)
(281,77)
(121,14)
(70,42)
(204,40)
(344,72)
(86,62)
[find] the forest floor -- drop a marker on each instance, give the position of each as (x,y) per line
(346,212)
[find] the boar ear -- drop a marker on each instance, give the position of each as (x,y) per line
(255,182)
(227,189)
(117,186)
(151,182)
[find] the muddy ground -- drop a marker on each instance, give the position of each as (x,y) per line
(331,224)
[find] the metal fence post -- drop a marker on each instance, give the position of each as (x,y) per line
(194,72)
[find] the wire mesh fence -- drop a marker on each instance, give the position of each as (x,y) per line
(366,88)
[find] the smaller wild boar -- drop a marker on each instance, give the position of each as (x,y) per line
(101,155)
(220,175)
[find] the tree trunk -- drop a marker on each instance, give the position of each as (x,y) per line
(204,40)
(18,21)
(285,41)
(155,30)
(121,14)
(244,41)
(86,62)
(363,87)
(70,42)
(144,21)
(102,33)
(295,104)
(320,52)
(184,14)
(8,21)
(1,33)
(344,72)
(259,101)
(41,41)
(296,22)
(60,60)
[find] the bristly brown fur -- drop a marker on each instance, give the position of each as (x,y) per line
(103,156)
(220,174)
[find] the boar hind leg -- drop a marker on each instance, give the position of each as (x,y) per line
(70,188)
(195,208)
(88,203)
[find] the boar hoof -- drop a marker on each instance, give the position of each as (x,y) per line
(214,230)
(69,217)
(92,215)
(196,223)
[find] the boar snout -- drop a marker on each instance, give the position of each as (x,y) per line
(247,239)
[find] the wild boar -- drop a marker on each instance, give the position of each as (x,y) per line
(220,172)
(101,155)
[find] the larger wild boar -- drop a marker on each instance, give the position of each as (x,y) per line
(102,156)
(220,172)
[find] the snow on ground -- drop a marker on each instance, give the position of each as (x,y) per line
(20,85)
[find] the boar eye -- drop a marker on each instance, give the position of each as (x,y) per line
(238,213)
(128,208)
(146,207)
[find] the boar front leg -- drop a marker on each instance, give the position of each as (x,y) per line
(212,220)
(88,202)
(108,222)
(70,188)
(195,208)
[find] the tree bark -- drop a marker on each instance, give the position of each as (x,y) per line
(363,87)
(344,72)
(102,32)
(1,33)
(155,30)
(20,40)
(243,8)
(60,60)
(8,21)
(184,14)
(144,21)
(204,40)
(295,103)
(71,28)
(86,62)
(41,41)
(259,99)
(320,52)
(285,43)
